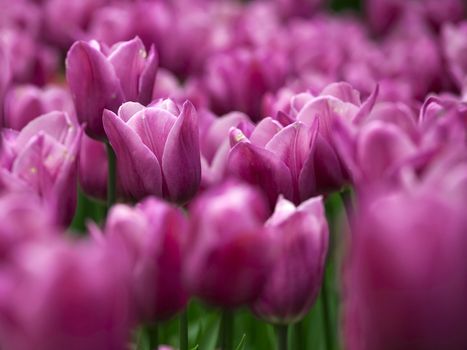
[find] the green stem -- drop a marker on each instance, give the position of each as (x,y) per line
(299,335)
(153,336)
(183,330)
(227,329)
(111,177)
(326,316)
(347,202)
(282,336)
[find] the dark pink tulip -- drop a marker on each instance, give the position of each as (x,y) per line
(5,78)
(93,168)
(294,281)
(302,8)
(238,80)
(42,159)
(229,251)
(405,278)
(152,235)
(157,149)
(57,295)
(25,102)
(102,78)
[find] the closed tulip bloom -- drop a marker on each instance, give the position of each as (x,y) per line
(58,295)
(295,279)
(157,149)
(42,159)
(229,251)
(152,235)
(26,102)
(102,78)
(93,168)
(406,277)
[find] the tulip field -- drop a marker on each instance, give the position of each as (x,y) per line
(233,175)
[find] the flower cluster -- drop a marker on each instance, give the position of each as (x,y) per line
(220,133)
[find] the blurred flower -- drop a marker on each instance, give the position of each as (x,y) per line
(237,80)
(295,279)
(23,103)
(58,295)
(102,78)
(157,149)
(405,280)
(42,159)
(455,51)
(152,235)
(229,251)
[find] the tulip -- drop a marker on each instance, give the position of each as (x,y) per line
(455,51)
(405,280)
(26,102)
(152,236)
(101,78)
(295,278)
(5,77)
(93,168)
(229,251)
(58,295)
(238,80)
(157,149)
(42,160)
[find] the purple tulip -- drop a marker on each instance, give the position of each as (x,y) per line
(26,102)
(101,78)
(405,278)
(295,279)
(93,168)
(152,235)
(288,8)
(157,149)
(42,159)
(238,80)
(5,78)
(229,251)
(58,295)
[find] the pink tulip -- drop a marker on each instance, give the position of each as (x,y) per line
(93,168)
(229,251)
(295,279)
(42,159)
(157,149)
(152,235)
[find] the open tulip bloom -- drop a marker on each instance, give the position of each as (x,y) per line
(233,175)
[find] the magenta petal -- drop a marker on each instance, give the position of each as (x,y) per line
(343,91)
(367,106)
(128,59)
(181,164)
(153,126)
(148,77)
(381,148)
(93,84)
(129,109)
(261,168)
(265,131)
(138,168)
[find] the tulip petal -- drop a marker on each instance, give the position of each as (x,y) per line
(181,164)
(128,59)
(265,131)
(343,91)
(138,168)
(148,77)
(93,84)
(261,168)
(129,109)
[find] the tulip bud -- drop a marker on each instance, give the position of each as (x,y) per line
(229,251)
(101,78)
(157,149)
(295,278)
(152,236)
(65,296)
(42,159)
(24,103)
(406,277)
